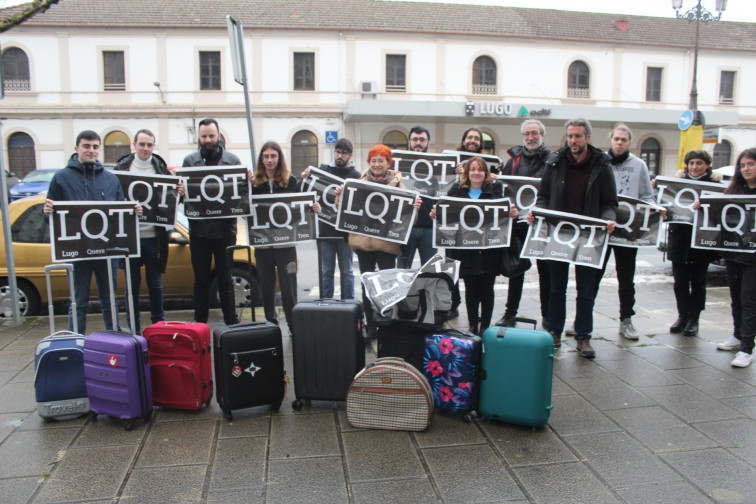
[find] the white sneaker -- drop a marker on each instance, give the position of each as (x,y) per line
(742,359)
(731,343)
(627,330)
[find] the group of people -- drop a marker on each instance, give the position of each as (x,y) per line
(577,178)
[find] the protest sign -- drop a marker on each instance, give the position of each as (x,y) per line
(215,191)
(521,191)
(376,210)
(157,194)
(468,223)
(282,219)
(82,230)
(638,224)
(430,174)
(677,195)
(566,237)
(324,185)
(725,222)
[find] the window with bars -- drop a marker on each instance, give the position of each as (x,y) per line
(578,81)
(15,70)
(651,154)
(210,70)
(396,72)
(653,84)
(727,87)
(114,74)
(304,71)
(484,76)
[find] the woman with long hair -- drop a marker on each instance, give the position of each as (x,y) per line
(741,272)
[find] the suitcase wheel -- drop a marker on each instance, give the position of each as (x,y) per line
(276,406)
(128,425)
(467,418)
(297,405)
(229,416)
(93,416)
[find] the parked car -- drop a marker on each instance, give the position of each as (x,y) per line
(30,233)
(35,182)
(727,173)
(10,180)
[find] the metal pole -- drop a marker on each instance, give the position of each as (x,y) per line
(9,260)
(243,63)
(694,87)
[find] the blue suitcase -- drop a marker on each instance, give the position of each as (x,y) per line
(59,385)
(517,369)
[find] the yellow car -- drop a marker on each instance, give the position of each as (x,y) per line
(30,233)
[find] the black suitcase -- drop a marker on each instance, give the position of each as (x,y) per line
(249,366)
(403,340)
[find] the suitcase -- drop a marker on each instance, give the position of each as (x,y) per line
(390,394)
(117,370)
(249,366)
(517,368)
(451,365)
(181,364)
(59,386)
(402,340)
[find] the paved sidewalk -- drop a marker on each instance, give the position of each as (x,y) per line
(664,419)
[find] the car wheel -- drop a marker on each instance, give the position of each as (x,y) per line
(28,299)
(241,284)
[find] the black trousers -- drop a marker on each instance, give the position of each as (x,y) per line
(741,279)
(370,259)
(624,260)
(203,251)
(479,292)
(690,287)
(284,261)
(514,293)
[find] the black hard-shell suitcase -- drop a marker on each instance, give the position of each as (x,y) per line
(403,340)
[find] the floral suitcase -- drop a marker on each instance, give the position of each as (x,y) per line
(451,364)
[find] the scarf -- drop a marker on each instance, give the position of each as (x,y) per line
(384,179)
(618,160)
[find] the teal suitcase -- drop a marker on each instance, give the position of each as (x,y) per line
(517,368)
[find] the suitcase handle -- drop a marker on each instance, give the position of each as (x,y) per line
(68,267)
(230,251)
(318,242)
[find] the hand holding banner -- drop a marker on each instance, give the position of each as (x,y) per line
(282,219)
(677,195)
(725,223)
(157,194)
(324,185)
(566,237)
(638,224)
(463,223)
(215,191)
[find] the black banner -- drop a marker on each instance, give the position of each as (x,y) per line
(469,223)
(157,194)
(566,237)
(431,175)
(638,224)
(677,195)
(82,230)
(215,191)
(282,219)
(323,184)
(726,223)
(376,210)
(521,191)
(493,162)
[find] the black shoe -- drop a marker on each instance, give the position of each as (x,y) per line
(507,320)
(557,339)
(678,325)
(585,349)
(691,328)
(453,314)
(474,329)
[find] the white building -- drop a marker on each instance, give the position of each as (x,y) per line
(365,70)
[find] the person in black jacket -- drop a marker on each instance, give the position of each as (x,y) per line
(690,266)
(209,238)
(741,272)
(153,240)
(479,267)
(578,179)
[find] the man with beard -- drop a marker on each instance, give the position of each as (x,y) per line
(343,167)
(209,238)
(421,237)
(578,179)
(527,160)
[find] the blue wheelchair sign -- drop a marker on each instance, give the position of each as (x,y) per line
(331,137)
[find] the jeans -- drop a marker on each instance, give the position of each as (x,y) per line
(514,292)
(690,287)
(284,260)
(584,277)
(421,239)
(741,278)
(203,251)
(328,253)
(148,259)
(82,278)
(624,259)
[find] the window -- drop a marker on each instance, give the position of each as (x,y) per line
(727,87)
(113,71)
(395,140)
(653,84)
(578,79)
(304,151)
(210,70)
(651,154)
(484,76)
(489,146)
(304,71)
(31,227)
(21,156)
(722,155)
(15,70)
(117,145)
(396,69)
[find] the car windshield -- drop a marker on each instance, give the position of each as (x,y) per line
(40,176)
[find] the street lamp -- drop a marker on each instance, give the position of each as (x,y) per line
(697,14)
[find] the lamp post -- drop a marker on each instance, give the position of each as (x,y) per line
(697,14)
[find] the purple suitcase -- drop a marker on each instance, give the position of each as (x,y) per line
(117,370)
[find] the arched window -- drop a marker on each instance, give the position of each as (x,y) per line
(117,145)
(21,157)
(722,155)
(578,80)
(484,76)
(395,139)
(489,146)
(651,154)
(304,152)
(15,70)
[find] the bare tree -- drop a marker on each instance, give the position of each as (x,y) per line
(25,13)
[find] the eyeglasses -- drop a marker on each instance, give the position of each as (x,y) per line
(531,133)
(339,153)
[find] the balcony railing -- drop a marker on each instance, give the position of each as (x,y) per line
(110,86)
(579,93)
(394,88)
(484,89)
(724,100)
(16,85)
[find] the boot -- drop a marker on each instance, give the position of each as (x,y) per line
(679,324)
(484,324)
(691,327)
(473,328)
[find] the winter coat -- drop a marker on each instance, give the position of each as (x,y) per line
(522,164)
(368,243)
(88,182)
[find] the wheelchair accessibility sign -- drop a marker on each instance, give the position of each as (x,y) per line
(331,137)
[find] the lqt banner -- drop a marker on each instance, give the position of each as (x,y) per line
(463,223)
(81,230)
(566,237)
(282,219)
(521,191)
(158,195)
(324,185)
(215,191)
(678,195)
(430,174)
(726,223)
(638,224)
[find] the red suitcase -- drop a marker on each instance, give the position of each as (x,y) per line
(180,364)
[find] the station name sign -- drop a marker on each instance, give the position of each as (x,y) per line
(502,109)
